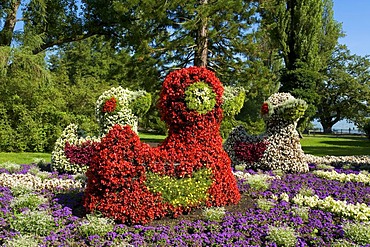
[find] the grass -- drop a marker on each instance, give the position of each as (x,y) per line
(314,144)
(345,145)
(23,158)
(148,137)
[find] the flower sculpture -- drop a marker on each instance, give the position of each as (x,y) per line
(134,183)
(115,106)
(279,148)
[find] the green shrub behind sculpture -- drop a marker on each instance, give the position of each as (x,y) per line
(233,101)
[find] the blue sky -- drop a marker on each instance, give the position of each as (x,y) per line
(354,14)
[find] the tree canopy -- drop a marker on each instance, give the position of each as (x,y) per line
(345,91)
(72,50)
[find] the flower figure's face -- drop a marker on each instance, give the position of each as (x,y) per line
(110,105)
(191,96)
(200,97)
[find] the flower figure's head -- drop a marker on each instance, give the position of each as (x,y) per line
(121,106)
(191,96)
(283,107)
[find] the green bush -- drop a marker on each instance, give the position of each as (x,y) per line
(96,225)
(282,236)
(233,100)
(33,223)
(302,212)
(259,182)
(358,232)
(30,201)
(214,213)
(265,204)
(141,105)
(11,167)
(22,241)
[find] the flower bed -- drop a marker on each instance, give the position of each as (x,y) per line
(275,210)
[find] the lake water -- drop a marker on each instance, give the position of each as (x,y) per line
(342,126)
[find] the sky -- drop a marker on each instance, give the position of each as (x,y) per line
(354,16)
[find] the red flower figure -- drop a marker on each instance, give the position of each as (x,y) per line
(110,105)
(265,108)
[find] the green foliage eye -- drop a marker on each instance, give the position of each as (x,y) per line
(200,97)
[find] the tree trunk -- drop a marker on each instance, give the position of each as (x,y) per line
(6,35)
(327,127)
(201,52)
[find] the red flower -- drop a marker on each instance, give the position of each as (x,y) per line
(110,105)
(265,108)
(250,152)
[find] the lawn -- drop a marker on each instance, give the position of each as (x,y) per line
(317,145)
(28,158)
(335,145)
(329,206)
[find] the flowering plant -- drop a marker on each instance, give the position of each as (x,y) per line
(265,108)
(110,105)
(281,113)
(133,183)
(115,106)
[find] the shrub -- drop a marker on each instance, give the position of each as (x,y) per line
(258,182)
(233,100)
(343,243)
(214,213)
(33,222)
(141,105)
(30,201)
(282,236)
(302,212)
(11,167)
(21,190)
(265,204)
(22,241)
(96,225)
(358,232)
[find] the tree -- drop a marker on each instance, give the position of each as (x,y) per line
(49,23)
(305,34)
(31,108)
(345,92)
